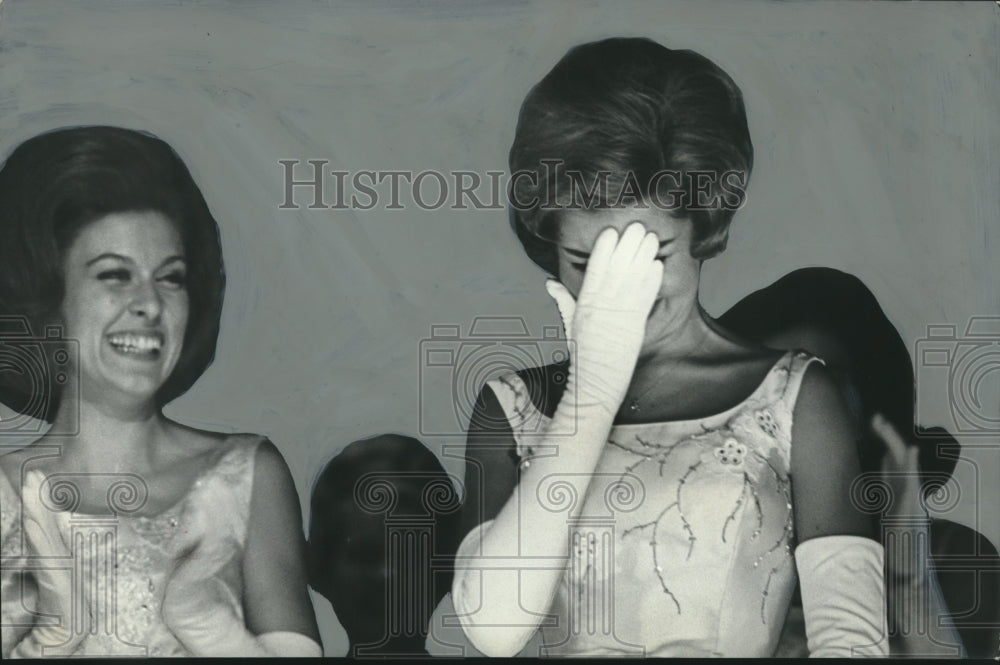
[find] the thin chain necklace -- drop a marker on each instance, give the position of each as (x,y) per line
(633,406)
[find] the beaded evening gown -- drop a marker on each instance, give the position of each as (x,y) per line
(127,559)
(683,545)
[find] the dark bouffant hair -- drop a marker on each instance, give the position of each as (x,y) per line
(55,184)
(629,110)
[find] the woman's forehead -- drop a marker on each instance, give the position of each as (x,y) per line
(137,235)
(577,229)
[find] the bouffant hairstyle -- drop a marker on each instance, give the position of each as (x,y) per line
(56,183)
(629,120)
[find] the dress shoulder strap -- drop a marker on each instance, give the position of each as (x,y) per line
(222,494)
(237,463)
(798,363)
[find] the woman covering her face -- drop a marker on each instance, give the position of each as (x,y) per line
(660,493)
(124,532)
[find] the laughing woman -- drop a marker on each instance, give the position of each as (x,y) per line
(132,534)
(661,494)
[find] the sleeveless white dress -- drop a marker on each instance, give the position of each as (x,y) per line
(127,559)
(684,542)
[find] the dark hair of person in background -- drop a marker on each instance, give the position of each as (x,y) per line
(834,315)
(382,538)
(55,184)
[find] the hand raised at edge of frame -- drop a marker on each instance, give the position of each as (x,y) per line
(900,470)
(915,604)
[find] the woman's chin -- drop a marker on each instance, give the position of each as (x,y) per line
(132,391)
(135,375)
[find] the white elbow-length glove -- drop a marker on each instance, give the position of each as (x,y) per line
(605,327)
(201,611)
(47,533)
(606,323)
(843,596)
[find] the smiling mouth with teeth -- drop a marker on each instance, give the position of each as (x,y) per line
(137,344)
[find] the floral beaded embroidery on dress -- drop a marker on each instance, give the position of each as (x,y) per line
(683,545)
(144,552)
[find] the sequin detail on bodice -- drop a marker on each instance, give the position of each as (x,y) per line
(127,559)
(683,545)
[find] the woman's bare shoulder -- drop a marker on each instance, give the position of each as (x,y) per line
(740,366)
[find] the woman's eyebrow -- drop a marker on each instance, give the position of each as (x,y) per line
(119,257)
(586,255)
(172,259)
(107,255)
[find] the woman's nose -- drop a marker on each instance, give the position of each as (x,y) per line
(146,301)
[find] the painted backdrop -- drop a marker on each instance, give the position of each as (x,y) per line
(877,152)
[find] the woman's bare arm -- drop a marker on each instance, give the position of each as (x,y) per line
(824,462)
(840,565)
(274,572)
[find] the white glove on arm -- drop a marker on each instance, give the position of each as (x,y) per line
(606,324)
(202,611)
(843,596)
(199,613)
(48,533)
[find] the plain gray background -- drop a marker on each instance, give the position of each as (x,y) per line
(877,135)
